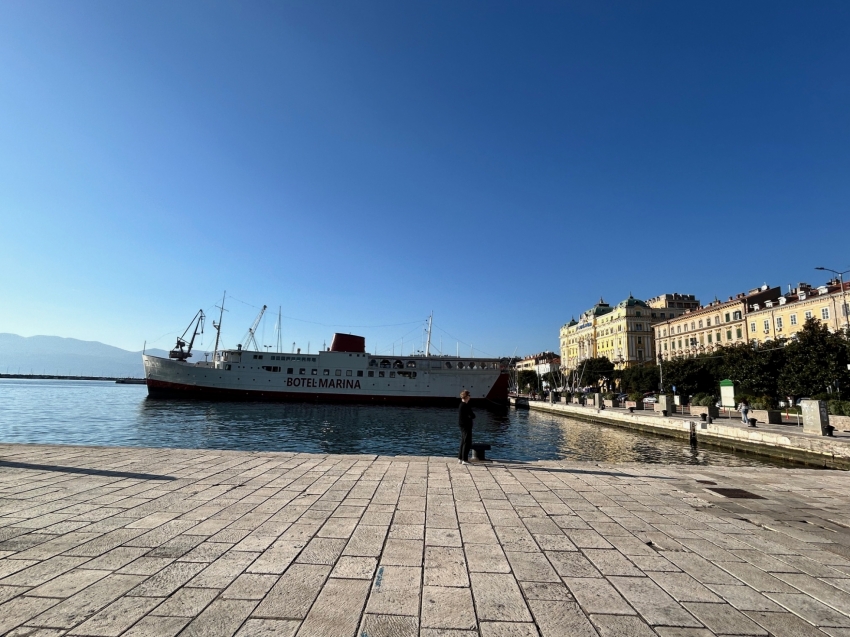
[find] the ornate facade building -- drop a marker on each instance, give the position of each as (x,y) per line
(623,333)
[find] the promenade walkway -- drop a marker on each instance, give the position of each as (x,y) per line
(159,542)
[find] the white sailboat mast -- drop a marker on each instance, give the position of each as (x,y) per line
(428,344)
(218,327)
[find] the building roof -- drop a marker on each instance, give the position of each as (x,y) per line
(632,302)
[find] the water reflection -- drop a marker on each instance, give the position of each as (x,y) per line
(108,414)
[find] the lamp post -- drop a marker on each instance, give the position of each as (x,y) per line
(841,281)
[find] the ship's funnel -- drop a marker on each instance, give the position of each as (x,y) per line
(348,343)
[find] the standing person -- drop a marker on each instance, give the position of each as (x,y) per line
(465,416)
(744,408)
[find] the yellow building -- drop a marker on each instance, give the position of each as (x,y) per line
(785,316)
(623,334)
(705,328)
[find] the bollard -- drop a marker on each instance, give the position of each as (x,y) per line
(752,422)
(664,412)
(703,417)
(631,410)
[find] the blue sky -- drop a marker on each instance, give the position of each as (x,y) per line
(365,163)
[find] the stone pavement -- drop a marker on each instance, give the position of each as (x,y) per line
(138,542)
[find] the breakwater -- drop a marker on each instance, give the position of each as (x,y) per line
(786,442)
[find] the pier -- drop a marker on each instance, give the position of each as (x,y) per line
(785,441)
(131,542)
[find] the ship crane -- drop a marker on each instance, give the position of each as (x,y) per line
(178,352)
(249,337)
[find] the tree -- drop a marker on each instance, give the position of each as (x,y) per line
(815,362)
(592,370)
(527,380)
(644,378)
(695,375)
(754,370)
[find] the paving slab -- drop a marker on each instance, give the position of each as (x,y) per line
(188,542)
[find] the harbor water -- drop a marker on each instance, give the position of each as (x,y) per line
(110,414)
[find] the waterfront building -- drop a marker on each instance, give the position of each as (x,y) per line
(704,328)
(623,333)
(541,363)
(578,338)
(785,316)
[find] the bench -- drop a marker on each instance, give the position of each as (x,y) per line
(478,449)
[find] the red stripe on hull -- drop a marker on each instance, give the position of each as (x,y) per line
(163,389)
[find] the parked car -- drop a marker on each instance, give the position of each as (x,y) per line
(650,399)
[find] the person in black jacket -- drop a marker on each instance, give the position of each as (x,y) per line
(465,416)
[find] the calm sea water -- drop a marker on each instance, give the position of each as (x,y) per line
(103,413)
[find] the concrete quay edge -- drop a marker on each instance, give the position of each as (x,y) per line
(813,450)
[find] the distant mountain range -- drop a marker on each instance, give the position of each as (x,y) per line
(68,357)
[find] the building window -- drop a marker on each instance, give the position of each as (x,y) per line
(700,324)
(678,329)
(709,338)
(662,315)
(359,372)
(338,372)
(779,322)
(665,347)
(752,327)
(824,313)
(738,332)
(348,372)
(766,325)
(728,335)
(371,374)
(708,322)
(793,319)
(808,315)
(637,313)
(727,317)
(640,340)
(326,372)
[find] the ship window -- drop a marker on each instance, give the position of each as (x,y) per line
(227,367)
(385,363)
(359,372)
(380,374)
(460,364)
(472,365)
(411,363)
(314,371)
(302,371)
(392,374)
(348,372)
(371,374)
(338,372)
(448,365)
(398,365)
(326,372)
(373,363)
(288,370)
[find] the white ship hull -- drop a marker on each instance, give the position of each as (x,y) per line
(329,376)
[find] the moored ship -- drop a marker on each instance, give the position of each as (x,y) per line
(345,372)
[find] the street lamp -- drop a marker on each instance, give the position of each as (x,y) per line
(841,281)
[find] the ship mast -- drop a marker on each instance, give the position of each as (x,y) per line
(428,345)
(218,327)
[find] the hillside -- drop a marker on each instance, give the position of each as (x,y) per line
(68,357)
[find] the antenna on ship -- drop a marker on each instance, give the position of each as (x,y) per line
(218,327)
(428,345)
